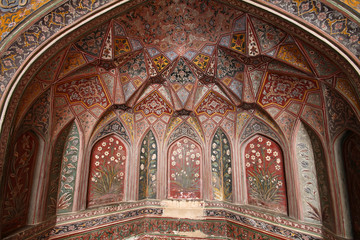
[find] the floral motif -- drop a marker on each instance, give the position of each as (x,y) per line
(201,61)
(280,89)
(153,104)
(228,66)
(19,182)
(184,170)
(221,167)
(291,54)
(107,171)
(265,174)
(161,62)
(182,73)
(87,90)
(238,42)
(214,103)
(121,46)
(148,167)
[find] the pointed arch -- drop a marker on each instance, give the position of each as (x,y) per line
(107,171)
(264,173)
(148,167)
(221,180)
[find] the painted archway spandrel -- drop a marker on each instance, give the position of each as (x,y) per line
(265,178)
(221,178)
(241,121)
(148,167)
(19,183)
(307,176)
(257,126)
(107,171)
(315,118)
(105,120)
(286,122)
(182,130)
(345,88)
(174,122)
(184,176)
(195,123)
(115,126)
(128,119)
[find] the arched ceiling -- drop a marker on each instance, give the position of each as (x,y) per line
(201,51)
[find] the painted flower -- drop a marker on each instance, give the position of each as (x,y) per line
(153,157)
(178,144)
(93,179)
(213,158)
(196,175)
(120,147)
(185,141)
(259,161)
(118,154)
(153,145)
(175,153)
(153,177)
(279,183)
(275,153)
(268,150)
(268,143)
(247,155)
(228,152)
(192,156)
(268,158)
(192,146)
(142,167)
(97,163)
(99,148)
(103,144)
(214,145)
(260,139)
(225,141)
(121,174)
(277,167)
(143,150)
(123,157)
(106,153)
(197,154)
(197,162)
(278,160)
(180,156)
(172,175)
(97,156)
(173,163)
(112,158)
(111,139)
(252,157)
(257,154)
(179,150)
(247,164)
(229,170)
(252,146)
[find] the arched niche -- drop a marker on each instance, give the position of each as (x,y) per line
(108,161)
(21,181)
(265,174)
(148,161)
(184,178)
(221,170)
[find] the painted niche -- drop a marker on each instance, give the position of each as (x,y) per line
(184,160)
(148,167)
(221,167)
(107,171)
(265,178)
(19,183)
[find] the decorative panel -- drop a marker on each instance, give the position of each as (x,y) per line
(221,167)
(107,171)
(265,178)
(307,176)
(352,168)
(19,183)
(184,176)
(148,167)
(213,103)
(153,104)
(70,157)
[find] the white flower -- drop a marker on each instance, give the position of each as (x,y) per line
(123,157)
(173,163)
(117,161)
(278,160)
(197,162)
(143,150)
(192,146)
(279,183)
(185,141)
(179,150)
(106,153)
(178,144)
(228,152)
(260,139)
(112,158)
(121,174)
(172,158)
(259,161)
(268,158)
(175,153)
(97,156)
(153,177)
(192,156)
(247,155)
(120,147)
(99,148)
(153,157)
(111,139)
(213,158)
(93,179)
(118,154)
(196,175)
(225,141)
(103,144)
(142,167)
(97,163)
(247,164)
(277,167)
(257,154)
(275,153)
(180,156)
(252,157)
(214,145)
(153,145)
(252,146)
(172,175)
(268,143)
(253,151)
(229,170)
(269,151)
(197,154)
(117,142)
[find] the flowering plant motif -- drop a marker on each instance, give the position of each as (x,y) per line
(184,164)
(221,167)
(148,167)
(265,174)
(107,174)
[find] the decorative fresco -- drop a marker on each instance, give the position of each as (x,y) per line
(280,89)
(184,176)
(19,183)
(351,151)
(154,104)
(221,167)
(148,167)
(212,104)
(107,171)
(307,176)
(265,179)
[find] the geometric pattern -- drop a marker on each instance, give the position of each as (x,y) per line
(280,89)
(161,62)
(87,90)
(184,170)
(107,171)
(121,45)
(201,61)
(153,104)
(182,73)
(228,65)
(265,176)
(93,41)
(73,60)
(213,103)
